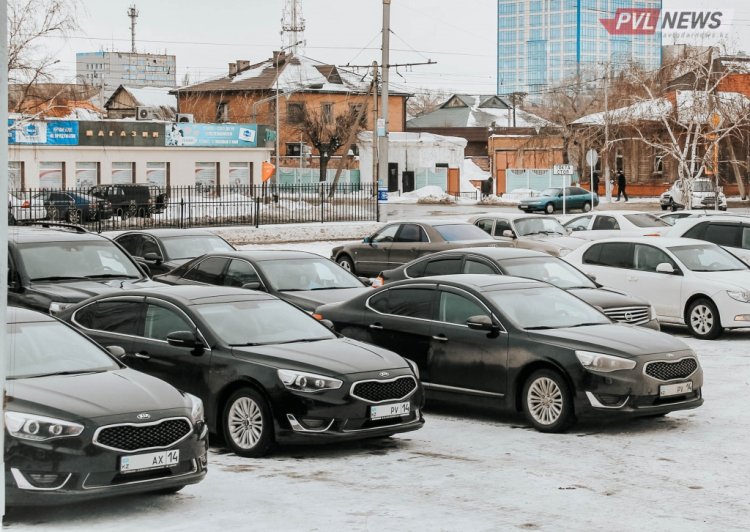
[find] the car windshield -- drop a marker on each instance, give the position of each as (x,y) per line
(703,186)
(645,220)
(707,258)
(48,348)
(49,261)
(551,192)
(535,226)
(548,269)
(545,308)
(457,232)
(260,322)
(189,247)
(306,274)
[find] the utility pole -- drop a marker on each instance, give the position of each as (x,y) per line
(607,177)
(133,14)
(375,153)
(4,344)
(385,62)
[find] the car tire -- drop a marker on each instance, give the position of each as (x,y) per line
(673,206)
(345,261)
(587,206)
(549,208)
(547,401)
(664,207)
(247,423)
(703,320)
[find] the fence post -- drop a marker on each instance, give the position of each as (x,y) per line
(257,211)
(322,196)
(182,213)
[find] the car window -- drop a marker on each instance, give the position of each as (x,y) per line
(208,271)
(551,192)
(485,225)
(645,219)
(446,266)
(579,224)
(240,272)
(745,237)
(416,269)
(188,247)
(387,234)
(605,223)
(707,258)
(647,258)
(614,254)
(76,259)
(411,233)
(548,269)
(150,246)
(161,321)
(500,226)
(455,308)
(462,231)
(121,317)
(315,273)
(723,234)
(130,243)
(410,302)
(475,266)
(539,225)
(697,231)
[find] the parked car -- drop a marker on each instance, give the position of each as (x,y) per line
(689,282)
(305,279)
(81,425)
(71,206)
(704,195)
(610,224)
(165,249)
(618,306)
(267,372)
(130,200)
(528,231)
(730,232)
(52,266)
(551,200)
(523,345)
(26,208)
(399,242)
(673,217)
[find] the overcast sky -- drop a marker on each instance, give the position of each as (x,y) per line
(207,34)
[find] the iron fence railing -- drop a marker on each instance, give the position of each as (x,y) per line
(198,206)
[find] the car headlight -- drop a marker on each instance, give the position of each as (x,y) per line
(56,307)
(414,367)
(197,414)
(739,295)
(39,428)
(603,363)
(307,382)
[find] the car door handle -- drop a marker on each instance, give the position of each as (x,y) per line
(440,338)
(376,326)
(143,355)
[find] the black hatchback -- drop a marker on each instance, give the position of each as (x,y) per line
(81,425)
(267,371)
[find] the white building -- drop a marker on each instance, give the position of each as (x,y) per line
(109,70)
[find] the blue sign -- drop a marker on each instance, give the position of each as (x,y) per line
(50,132)
(382,194)
(212,135)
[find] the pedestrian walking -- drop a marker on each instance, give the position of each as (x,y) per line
(621,183)
(596,182)
(490,188)
(483,189)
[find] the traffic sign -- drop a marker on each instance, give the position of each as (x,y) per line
(563,169)
(592,157)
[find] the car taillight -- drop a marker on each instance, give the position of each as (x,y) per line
(26,204)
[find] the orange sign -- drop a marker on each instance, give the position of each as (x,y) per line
(267,171)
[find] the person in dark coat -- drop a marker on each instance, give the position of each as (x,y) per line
(596,182)
(490,187)
(621,183)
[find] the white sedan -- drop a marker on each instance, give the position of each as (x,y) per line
(609,224)
(689,282)
(730,232)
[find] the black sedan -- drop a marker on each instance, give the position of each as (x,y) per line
(80,425)
(162,250)
(524,345)
(305,279)
(533,265)
(400,242)
(266,371)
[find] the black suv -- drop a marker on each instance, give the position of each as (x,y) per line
(52,266)
(132,199)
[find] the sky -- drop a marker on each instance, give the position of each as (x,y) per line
(460,37)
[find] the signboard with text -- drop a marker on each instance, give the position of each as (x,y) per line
(121,133)
(212,135)
(52,132)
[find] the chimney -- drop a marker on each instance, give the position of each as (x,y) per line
(232,69)
(242,64)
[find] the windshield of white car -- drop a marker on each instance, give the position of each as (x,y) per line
(547,269)
(545,308)
(645,220)
(535,226)
(707,258)
(75,259)
(458,232)
(189,247)
(306,274)
(261,322)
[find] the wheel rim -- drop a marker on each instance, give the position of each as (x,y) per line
(345,264)
(245,423)
(550,209)
(545,401)
(586,207)
(701,319)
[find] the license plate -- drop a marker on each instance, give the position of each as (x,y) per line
(391,410)
(682,388)
(144,462)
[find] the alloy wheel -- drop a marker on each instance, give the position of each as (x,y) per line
(545,401)
(702,319)
(245,423)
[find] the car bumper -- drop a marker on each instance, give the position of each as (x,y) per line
(92,472)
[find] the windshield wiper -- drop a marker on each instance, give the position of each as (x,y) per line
(111,276)
(59,278)
(300,340)
(587,324)
(540,328)
(332,288)
(68,372)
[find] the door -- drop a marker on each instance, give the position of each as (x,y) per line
(662,290)
(610,262)
(207,271)
(372,258)
(407,181)
(392,177)
(114,321)
(464,358)
(411,242)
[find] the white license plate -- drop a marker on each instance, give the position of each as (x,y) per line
(390,410)
(681,388)
(144,462)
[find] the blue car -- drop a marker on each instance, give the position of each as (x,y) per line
(551,199)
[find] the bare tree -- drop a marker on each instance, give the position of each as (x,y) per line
(425,101)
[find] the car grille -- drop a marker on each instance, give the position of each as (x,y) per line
(634,315)
(378,391)
(708,200)
(667,371)
(136,437)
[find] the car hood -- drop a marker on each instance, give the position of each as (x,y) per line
(614,339)
(740,278)
(606,298)
(93,395)
(312,299)
(75,291)
(340,356)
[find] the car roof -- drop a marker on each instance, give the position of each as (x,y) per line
(432,222)
(24,315)
(163,232)
(624,211)
(21,234)
(510,216)
(262,255)
(663,241)
(493,253)
(194,294)
(479,282)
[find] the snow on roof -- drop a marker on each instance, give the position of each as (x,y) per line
(153,96)
(476,115)
(405,137)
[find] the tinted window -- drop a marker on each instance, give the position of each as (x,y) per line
(120,317)
(475,266)
(443,266)
(411,233)
(411,302)
(240,272)
(548,269)
(187,247)
(485,225)
(130,243)
(457,309)
(724,234)
(616,254)
(416,269)
(209,271)
(456,232)
(697,231)
(387,234)
(150,246)
(76,259)
(605,223)
(646,258)
(306,274)
(645,220)
(161,321)
(500,226)
(551,192)
(745,237)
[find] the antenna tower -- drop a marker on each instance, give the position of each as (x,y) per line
(133,14)
(292,26)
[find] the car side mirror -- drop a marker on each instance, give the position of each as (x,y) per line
(664,267)
(255,285)
(367,240)
(509,234)
(481,323)
(153,257)
(116,351)
(186,339)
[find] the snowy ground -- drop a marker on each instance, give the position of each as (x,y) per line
(473,469)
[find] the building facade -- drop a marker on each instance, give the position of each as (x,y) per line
(109,70)
(542,43)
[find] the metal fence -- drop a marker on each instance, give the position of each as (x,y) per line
(199,206)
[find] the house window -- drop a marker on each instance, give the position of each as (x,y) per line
(222,112)
(240,174)
(206,176)
(659,164)
(326,113)
(156,174)
(51,174)
(354,149)
(15,175)
(87,175)
(293,149)
(294,112)
(123,173)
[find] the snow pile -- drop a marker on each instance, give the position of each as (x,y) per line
(429,194)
